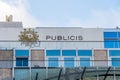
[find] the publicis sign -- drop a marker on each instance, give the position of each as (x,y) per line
(64,38)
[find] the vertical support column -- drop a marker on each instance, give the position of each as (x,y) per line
(109,59)
(97,74)
(30,62)
(77,59)
(46,64)
(45,61)
(46,72)
(92,58)
(60,59)
(13,71)
(114,73)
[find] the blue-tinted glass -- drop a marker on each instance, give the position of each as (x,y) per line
(68,52)
(111,44)
(20,53)
(118,34)
(68,62)
(18,62)
(114,52)
(21,61)
(84,52)
(25,61)
(85,62)
(110,34)
(21,74)
(115,61)
(53,62)
(52,52)
(119,44)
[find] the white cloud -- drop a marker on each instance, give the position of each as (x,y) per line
(19,10)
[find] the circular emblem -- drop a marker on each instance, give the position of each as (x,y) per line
(28,37)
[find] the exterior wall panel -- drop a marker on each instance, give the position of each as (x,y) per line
(6,58)
(5,74)
(100,58)
(37,57)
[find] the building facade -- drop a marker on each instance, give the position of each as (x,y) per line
(64,53)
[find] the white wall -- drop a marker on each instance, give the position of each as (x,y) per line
(88,34)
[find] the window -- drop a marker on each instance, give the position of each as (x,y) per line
(22,57)
(53,62)
(21,61)
(118,34)
(111,39)
(110,34)
(115,61)
(52,52)
(85,62)
(114,52)
(68,62)
(68,52)
(84,52)
(115,57)
(20,53)
(84,57)
(111,44)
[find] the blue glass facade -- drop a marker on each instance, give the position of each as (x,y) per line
(68,52)
(85,62)
(21,53)
(22,57)
(68,58)
(53,62)
(115,61)
(112,39)
(52,52)
(69,62)
(84,52)
(21,61)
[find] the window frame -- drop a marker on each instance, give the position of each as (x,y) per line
(22,64)
(28,57)
(111,60)
(47,58)
(78,58)
(63,61)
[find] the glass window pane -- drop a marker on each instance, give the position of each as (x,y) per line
(18,62)
(52,52)
(21,61)
(53,62)
(25,61)
(85,62)
(115,61)
(22,74)
(111,44)
(68,62)
(114,52)
(68,52)
(84,52)
(20,53)
(118,34)
(110,34)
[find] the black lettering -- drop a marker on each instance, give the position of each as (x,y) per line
(80,38)
(64,38)
(59,37)
(72,37)
(53,38)
(48,37)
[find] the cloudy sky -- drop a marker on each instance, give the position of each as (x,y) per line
(63,13)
